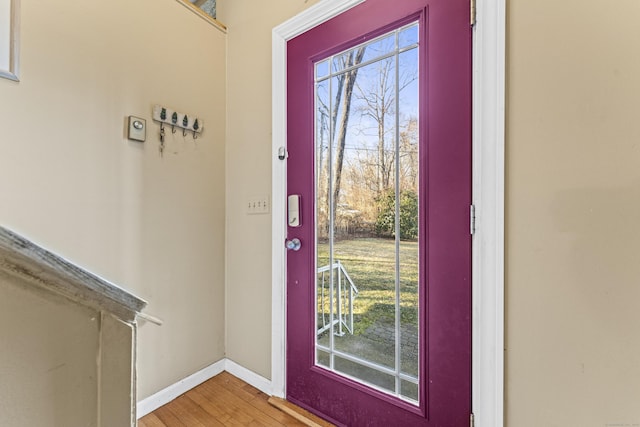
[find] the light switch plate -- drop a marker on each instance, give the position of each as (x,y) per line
(137,129)
(257,205)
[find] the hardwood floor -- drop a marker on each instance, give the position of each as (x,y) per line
(224,400)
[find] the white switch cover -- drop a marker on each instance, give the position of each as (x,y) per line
(258,205)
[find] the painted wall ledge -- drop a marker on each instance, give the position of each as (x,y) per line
(22,258)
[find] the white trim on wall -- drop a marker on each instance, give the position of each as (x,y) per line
(166,395)
(248,376)
(488,197)
(10,44)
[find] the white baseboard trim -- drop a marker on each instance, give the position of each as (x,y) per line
(166,395)
(250,377)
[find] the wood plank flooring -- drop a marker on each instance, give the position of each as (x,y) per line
(224,400)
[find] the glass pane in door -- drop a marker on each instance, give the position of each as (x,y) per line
(367,249)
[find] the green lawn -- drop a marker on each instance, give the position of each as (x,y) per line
(371,264)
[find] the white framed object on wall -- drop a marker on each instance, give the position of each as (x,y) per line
(205,9)
(9,37)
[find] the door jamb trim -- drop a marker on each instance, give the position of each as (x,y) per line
(488,138)
(488,197)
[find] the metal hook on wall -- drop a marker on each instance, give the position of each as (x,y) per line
(167,116)
(163,116)
(161,138)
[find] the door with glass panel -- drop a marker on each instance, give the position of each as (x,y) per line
(379,185)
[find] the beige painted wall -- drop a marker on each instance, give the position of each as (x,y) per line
(117,379)
(49,347)
(72,182)
(62,363)
(248,292)
(573,202)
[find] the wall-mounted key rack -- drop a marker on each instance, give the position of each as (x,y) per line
(178,120)
(174,119)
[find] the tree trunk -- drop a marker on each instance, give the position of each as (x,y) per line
(349,83)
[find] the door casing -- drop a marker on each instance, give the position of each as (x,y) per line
(488,199)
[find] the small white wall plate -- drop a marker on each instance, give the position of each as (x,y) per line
(137,129)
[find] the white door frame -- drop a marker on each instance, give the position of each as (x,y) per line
(488,198)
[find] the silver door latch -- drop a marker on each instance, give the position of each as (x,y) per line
(293,244)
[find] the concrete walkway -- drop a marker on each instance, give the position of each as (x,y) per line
(377,345)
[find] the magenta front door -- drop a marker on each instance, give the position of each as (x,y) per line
(379,185)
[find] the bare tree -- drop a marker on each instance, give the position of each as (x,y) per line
(408,161)
(378,97)
(370,171)
(354,58)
